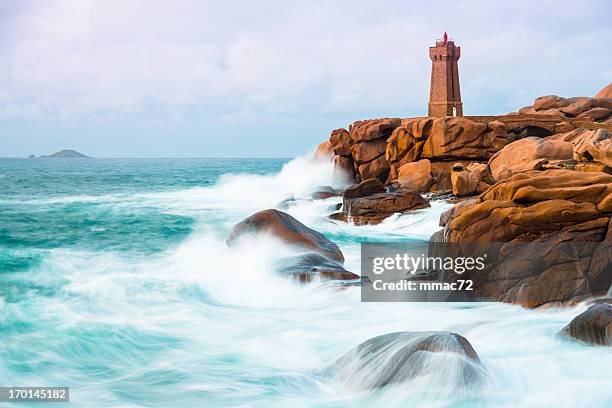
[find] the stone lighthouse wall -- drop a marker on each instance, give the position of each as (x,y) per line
(445,94)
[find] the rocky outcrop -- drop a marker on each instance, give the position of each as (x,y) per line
(551,210)
(378,148)
(406,143)
(534,202)
(444,142)
(531,153)
(310,267)
(374,129)
(359,153)
(287,229)
(397,358)
(589,145)
(444,139)
(596,109)
(594,326)
(457,138)
(369,140)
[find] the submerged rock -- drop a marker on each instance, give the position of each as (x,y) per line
(593,326)
(400,357)
(308,267)
(289,230)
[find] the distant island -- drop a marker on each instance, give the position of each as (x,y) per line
(63,154)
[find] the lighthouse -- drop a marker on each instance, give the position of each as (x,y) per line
(444,93)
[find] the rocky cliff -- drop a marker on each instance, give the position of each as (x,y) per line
(542,175)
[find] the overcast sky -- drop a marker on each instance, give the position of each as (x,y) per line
(131,78)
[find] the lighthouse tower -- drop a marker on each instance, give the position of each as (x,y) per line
(444,95)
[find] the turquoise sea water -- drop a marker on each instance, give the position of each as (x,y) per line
(115,281)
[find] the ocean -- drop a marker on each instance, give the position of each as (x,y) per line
(115,281)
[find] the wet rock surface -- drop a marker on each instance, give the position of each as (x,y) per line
(593,326)
(373,208)
(398,358)
(287,229)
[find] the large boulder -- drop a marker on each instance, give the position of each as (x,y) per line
(527,154)
(580,106)
(287,229)
(468,180)
(373,209)
(364,130)
(364,152)
(341,142)
(595,146)
(594,326)
(564,216)
(549,102)
(588,111)
(605,92)
(365,188)
(397,358)
(457,137)
(368,140)
(595,114)
(416,175)
(309,267)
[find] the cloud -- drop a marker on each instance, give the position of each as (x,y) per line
(208,61)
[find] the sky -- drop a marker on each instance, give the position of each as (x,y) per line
(181,78)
